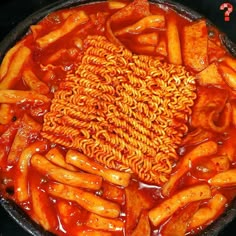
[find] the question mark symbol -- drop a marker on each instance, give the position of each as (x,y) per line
(229,8)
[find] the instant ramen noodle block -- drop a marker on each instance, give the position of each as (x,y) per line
(126,111)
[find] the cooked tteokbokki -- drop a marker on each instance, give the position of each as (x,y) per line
(119,118)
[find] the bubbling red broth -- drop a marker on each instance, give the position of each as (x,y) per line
(118,118)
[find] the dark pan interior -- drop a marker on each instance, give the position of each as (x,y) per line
(20,30)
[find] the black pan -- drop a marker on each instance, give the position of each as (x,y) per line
(216,228)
